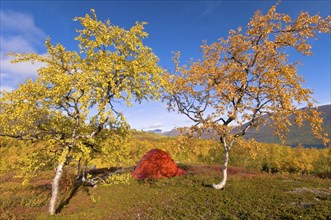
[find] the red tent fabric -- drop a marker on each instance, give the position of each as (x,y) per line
(156,164)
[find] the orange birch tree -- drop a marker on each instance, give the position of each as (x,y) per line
(246,76)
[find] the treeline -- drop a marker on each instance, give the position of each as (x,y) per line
(249,154)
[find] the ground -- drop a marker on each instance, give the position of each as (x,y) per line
(248,195)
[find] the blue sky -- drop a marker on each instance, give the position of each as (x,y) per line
(172,26)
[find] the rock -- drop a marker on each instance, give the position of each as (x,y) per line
(156,164)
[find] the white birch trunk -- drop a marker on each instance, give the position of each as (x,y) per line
(224,170)
(55,188)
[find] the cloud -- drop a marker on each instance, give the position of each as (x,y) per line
(19,34)
(19,23)
(210,7)
(6,88)
(155,125)
(17,44)
(19,70)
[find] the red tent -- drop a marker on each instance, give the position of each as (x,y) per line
(156,164)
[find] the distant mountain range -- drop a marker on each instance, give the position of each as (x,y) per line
(156,131)
(296,136)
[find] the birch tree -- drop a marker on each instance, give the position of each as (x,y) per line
(73,103)
(247,76)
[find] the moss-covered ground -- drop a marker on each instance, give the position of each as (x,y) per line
(248,195)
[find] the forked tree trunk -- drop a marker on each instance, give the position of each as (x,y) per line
(55,188)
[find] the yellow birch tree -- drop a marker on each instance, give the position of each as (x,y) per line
(72,103)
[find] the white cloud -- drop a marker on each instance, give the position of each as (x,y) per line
(19,70)
(155,125)
(23,24)
(16,44)
(19,34)
(153,115)
(6,88)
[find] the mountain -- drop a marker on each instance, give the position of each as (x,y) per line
(172,133)
(155,131)
(296,136)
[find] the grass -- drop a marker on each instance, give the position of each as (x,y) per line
(248,195)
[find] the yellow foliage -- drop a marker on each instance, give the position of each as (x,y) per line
(246,76)
(249,154)
(71,103)
(118,179)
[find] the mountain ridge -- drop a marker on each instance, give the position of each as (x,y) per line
(296,136)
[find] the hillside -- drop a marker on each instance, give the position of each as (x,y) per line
(295,136)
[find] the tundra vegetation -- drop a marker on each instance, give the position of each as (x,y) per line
(69,115)
(246,76)
(266,181)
